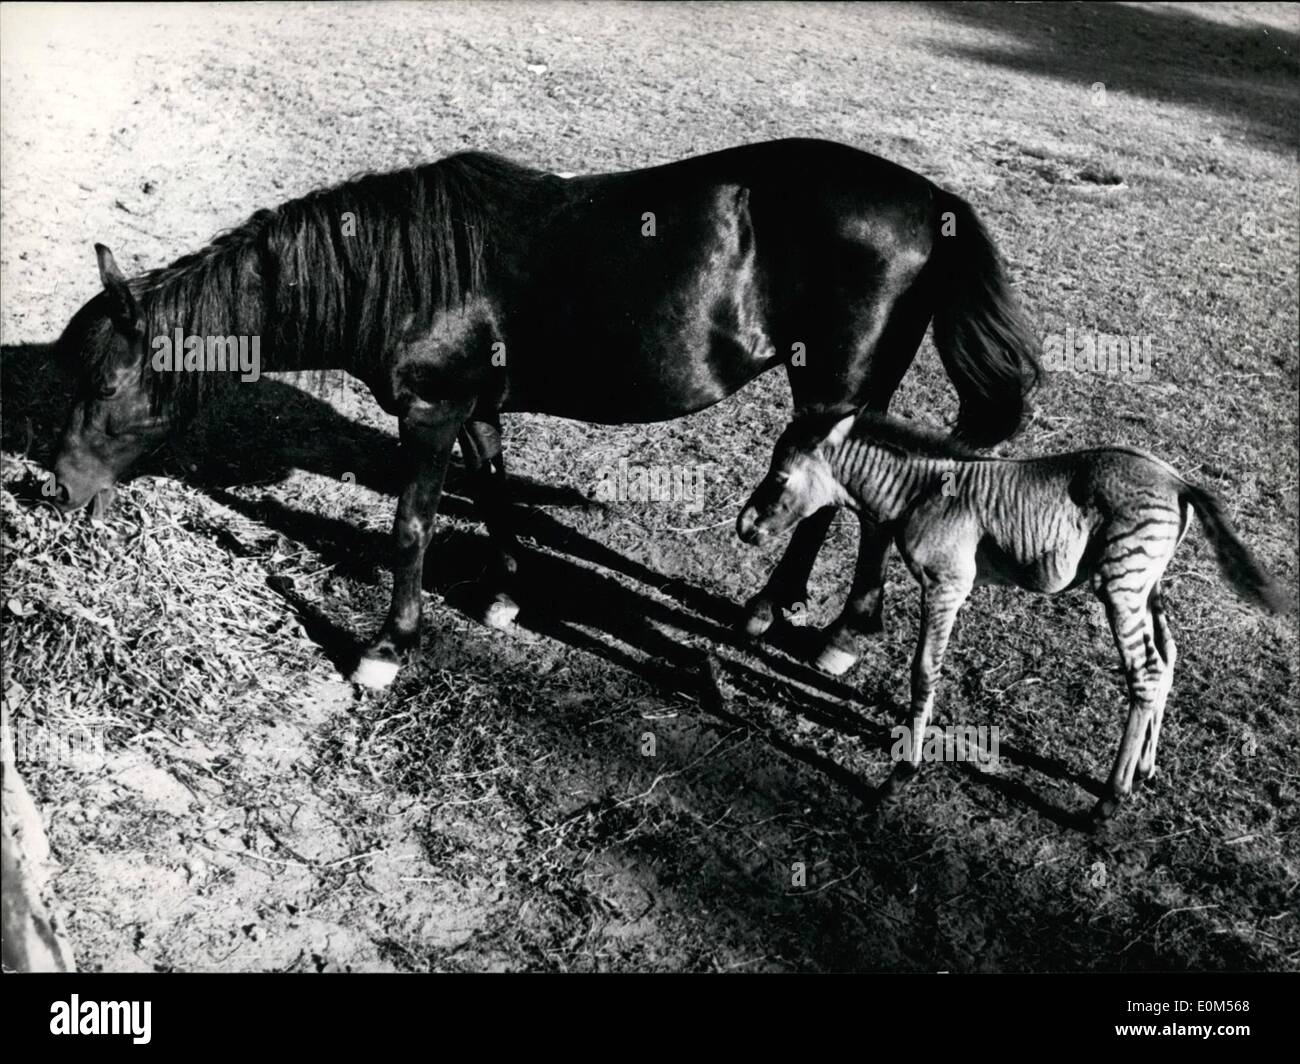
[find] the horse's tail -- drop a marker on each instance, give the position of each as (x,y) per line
(983,337)
(1239,566)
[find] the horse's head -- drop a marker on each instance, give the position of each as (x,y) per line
(800,480)
(112,422)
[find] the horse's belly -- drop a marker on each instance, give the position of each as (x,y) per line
(645,314)
(615,378)
(646,364)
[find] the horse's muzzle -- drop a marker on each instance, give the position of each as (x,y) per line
(100,502)
(74,485)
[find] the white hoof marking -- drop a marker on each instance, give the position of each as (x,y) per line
(375,674)
(835,661)
(501,614)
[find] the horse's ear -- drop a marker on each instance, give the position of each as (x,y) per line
(839,431)
(122,307)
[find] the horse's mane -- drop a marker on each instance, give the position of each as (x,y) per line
(910,438)
(321,292)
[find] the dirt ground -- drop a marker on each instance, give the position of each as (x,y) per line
(567,796)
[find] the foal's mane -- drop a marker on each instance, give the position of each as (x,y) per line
(908,438)
(320,292)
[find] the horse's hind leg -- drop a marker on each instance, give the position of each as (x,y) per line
(862,614)
(847,366)
(1168,651)
(480,444)
(428,431)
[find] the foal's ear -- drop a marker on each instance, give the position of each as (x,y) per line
(122,307)
(839,431)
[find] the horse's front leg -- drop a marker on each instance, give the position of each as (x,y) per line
(480,442)
(863,614)
(428,431)
(787,587)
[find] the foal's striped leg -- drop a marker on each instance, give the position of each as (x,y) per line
(940,601)
(1168,651)
(1145,672)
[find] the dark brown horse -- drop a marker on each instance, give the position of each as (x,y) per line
(472,286)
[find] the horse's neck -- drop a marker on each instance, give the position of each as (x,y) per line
(883,482)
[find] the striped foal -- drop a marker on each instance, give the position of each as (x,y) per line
(1112,517)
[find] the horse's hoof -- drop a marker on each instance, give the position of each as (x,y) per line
(835,662)
(374,673)
(501,613)
(759,617)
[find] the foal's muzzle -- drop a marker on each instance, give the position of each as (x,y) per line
(747,526)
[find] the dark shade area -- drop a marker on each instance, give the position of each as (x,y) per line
(1245,73)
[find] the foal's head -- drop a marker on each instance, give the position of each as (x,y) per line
(111,423)
(800,480)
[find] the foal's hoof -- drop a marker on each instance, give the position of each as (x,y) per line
(835,661)
(501,612)
(904,773)
(374,673)
(1102,812)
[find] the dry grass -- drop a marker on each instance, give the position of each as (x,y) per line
(171,632)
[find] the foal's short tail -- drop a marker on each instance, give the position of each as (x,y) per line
(983,337)
(1240,567)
